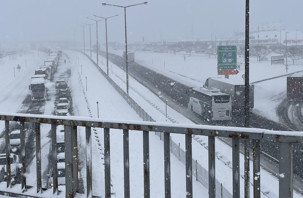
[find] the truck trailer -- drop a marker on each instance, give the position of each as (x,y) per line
(295,87)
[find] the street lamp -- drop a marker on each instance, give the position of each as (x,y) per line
(286,50)
(96,37)
(83,38)
(90,38)
(126,55)
(236,186)
(105,20)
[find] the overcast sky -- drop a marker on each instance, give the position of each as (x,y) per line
(30,20)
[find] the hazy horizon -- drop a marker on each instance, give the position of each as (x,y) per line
(51,20)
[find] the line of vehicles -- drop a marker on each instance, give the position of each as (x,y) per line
(44,74)
(60,159)
(63,98)
(219,99)
(15,148)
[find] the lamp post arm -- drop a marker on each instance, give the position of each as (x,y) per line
(135,4)
(114,5)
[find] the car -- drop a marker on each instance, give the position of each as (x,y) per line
(15,141)
(60,139)
(62,109)
(15,168)
(61,174)
(61,157)
(64,101)
(62,89)
(61,84)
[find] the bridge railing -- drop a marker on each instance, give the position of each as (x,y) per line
(285,140)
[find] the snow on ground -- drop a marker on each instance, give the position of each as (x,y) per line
(156,108)
(113,107)
(194,69)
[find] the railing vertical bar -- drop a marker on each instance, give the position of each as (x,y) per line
(167,165)
(8,150)
(68,161)
(88,162)
(256,168)
(286,170)
(22,156)
(236,167)
(146,164)
(54,158)
(75,158)
(246,169)
(38,156)
(126,163)
(188,162)
(211,167)
(107,162)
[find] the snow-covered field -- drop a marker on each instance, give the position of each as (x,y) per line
(112,107)
(194,69)
(156,108)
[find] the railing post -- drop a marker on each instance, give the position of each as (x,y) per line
(54,158)
(256,168)
(188,166)
(246,169)
(75,159)
(286,170)
(167,165)
(8,159)
(211,167)
(38,156)
(22,157)
(107,162)
(126,163)
(68,161)
(88,163)
(146,164)
(236,167)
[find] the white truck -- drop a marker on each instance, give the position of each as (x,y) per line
(38,89)
(130,57)
(236,89)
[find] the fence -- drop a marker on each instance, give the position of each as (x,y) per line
(284,139)
(199,171)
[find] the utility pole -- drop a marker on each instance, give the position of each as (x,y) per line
(125,34)
(105,20)
(84,39)
(286,65)
(97,42)
(247,107)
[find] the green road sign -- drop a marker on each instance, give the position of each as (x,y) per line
(227,57)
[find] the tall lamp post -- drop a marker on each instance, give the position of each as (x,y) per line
(286,49)
(90,38)
(246,120)
(105,20)
(97,42)
(126,55)
(83,38)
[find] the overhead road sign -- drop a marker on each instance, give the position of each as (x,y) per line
(227,59)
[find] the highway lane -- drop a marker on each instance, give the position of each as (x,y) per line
(176,93)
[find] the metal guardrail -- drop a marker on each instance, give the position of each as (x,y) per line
(199,171)
(285,140)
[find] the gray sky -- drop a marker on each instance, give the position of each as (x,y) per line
(29,20)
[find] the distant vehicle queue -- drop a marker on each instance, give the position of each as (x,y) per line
(43,74)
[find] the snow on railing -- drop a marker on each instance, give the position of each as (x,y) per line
(284,139)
